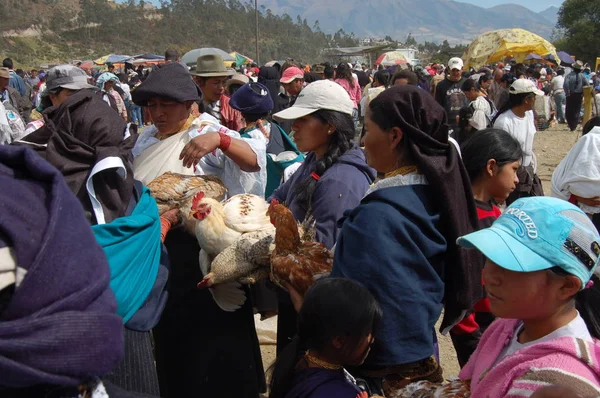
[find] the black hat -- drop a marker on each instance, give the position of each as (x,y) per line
(252,98)
(172,81)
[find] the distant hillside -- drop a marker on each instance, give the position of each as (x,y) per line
(53,31)
(427,21)
(551,14)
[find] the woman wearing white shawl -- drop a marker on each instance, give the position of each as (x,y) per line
(200,347)
(577,177)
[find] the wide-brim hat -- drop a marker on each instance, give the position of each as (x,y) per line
(238,79)
(252,98)
(171,81)
(5,73)
(211,65)
(577,65)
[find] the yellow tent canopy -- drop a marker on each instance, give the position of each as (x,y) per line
(497,45)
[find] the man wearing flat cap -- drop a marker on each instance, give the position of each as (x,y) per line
(204,340)
(211,76)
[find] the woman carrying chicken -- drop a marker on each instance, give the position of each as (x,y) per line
(400,241)
(333,178)
(200,348)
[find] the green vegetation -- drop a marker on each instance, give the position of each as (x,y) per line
(579,21)
(86,29)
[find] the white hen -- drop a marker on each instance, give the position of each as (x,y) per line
(219,225)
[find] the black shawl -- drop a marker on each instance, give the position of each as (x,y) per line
(77,135)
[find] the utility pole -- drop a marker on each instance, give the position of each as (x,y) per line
(256,14)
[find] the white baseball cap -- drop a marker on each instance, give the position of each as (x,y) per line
(524,86)
(322,94)
(455,63)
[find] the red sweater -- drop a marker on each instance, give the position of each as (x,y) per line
(487,213)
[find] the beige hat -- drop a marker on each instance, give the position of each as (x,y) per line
(4,73)
(322,94)
(211,65)
(238,78)
(577,65)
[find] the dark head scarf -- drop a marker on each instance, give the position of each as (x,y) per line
(58,324)
(268,76)
(170,81)
(79,134)
(423,122)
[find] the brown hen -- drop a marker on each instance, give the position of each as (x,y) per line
(176,191)
(299,263)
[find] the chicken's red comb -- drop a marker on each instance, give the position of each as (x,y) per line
(274,202)
(197,198)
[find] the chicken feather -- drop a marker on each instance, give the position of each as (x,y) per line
(299,263)
(176,191)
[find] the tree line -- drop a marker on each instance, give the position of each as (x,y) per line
(92,28)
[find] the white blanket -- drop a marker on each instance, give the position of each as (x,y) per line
(154,157)
(579,172)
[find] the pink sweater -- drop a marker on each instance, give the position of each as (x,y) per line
(564,361)
(354,92)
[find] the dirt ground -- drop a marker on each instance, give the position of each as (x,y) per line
(550,147)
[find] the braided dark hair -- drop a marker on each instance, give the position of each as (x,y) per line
(339,143)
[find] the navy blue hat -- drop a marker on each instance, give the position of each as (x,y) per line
(252,98)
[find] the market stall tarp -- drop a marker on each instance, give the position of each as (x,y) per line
(391,58)
(532,57)
(240,59)
(112,58)
(354,51)
(565,58)
(496,45)
(191,57)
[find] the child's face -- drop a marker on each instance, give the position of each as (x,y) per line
(521,295)
(359,354)
(503,180)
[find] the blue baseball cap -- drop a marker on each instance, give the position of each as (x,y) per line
(539,233)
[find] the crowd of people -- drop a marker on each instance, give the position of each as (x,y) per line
(421,181)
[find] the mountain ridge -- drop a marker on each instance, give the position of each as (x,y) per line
(441,20)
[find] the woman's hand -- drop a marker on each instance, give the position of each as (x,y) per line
(296,297)
(172,216)
(199,147)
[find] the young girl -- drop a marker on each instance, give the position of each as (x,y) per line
(333,178)
(255,103)
(539,276)
(491,158)
(335,329)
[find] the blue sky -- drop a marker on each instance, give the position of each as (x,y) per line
(534,5)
